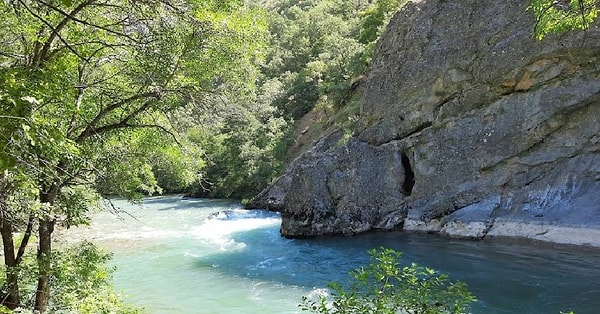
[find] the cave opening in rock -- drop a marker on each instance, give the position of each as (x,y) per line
(409,175)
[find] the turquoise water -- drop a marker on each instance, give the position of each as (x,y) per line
(210,256)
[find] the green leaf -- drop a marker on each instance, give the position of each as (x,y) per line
(557,17)
(384,287)
(6,161)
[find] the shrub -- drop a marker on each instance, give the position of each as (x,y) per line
(385,286)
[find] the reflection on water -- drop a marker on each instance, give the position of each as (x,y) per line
(209,256)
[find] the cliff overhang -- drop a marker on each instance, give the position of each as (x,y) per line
(470,127)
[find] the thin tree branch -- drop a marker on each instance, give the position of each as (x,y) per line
(123,123)
(11,55)
(91,127)
(25,240)
(156,126)
(40,56)
(102,47)
(80,90)
(113,209)
(56,31)
(13,117)
(71,17)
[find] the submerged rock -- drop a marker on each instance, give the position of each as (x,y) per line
(469,127)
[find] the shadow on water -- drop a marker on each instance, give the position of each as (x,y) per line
(505,277)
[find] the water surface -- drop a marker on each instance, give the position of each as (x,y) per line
(183,255)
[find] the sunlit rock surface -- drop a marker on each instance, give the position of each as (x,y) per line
(469,127)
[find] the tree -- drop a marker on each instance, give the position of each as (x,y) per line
(241,151)
(559,16)
(81,281)
(385,286)
(80,72)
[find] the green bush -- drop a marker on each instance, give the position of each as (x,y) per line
(385,286)
(81,282)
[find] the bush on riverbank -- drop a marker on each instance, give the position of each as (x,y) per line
(385,286)
(81,282)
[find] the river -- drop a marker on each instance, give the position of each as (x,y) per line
(178,255)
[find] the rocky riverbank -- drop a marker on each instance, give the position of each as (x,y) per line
(469,127)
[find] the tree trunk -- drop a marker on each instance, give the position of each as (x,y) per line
(11,299)
(44,255)
(42,295)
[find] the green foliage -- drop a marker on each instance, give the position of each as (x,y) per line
(385,286)
(81,282)
(241,151)
(88,89)
(562,16)
(145,162)
(74,205)
(319,47)
(176,168)
(374,18)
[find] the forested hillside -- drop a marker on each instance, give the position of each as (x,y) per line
(313,53)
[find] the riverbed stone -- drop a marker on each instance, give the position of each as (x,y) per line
(469,127)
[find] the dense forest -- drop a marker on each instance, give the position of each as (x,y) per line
(134,98)
(313,52)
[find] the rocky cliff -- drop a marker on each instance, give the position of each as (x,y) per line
(469,127)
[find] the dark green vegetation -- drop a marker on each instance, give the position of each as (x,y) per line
(131,98)
(81,281)
(386,286)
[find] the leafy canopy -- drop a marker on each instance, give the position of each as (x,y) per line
(88,90)
(558,17)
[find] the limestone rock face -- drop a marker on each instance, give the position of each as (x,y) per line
(469,126)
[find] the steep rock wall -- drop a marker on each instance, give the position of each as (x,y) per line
(469,127)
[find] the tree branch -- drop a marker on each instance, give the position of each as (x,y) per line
(103,46)
(91,129)
(12,55)
(40,56)
(71,17)
(13,117)
(156,126)
(25,240)
(60,26)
